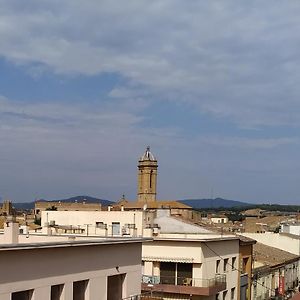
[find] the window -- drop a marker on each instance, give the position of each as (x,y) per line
(115,228)
(225,295)
(225,264)
(56,291)
(23,295)
(79,289)
(101,225)
(245,262)
(151,172)
(184,274)
(168,273)
(218,266)
(218,296)
(143,267)
(232,293)
(233,263)
(115,287)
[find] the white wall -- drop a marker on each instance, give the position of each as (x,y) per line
(277,240)
(202,255)
(40,268)
(292,229)
(82,218)
(219,220)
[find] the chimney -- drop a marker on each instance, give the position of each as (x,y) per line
(11,231)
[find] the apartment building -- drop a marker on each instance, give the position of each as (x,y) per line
(39,267)
(184,261)
(101,223)
(275,273)
(192,266)
(183,256)
(245,267)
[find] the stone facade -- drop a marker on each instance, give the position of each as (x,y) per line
(7,208)
(147,177)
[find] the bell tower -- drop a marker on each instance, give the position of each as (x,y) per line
(147,175)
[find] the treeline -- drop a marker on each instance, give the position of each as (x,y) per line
(234,213)
(266,207)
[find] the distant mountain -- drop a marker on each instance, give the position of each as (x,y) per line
(214,203)
(87,199)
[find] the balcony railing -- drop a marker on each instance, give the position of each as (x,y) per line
(143,296)
(197,282)
(184,285)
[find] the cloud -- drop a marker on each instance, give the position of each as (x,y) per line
(50,149)
(236,61)
(235,64)
(53,150)
(250,143)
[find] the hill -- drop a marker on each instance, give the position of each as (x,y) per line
(87,199)
(214,203)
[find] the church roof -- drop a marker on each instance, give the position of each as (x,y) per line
(147,156)
(151,205)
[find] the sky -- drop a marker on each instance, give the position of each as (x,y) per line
(211,86)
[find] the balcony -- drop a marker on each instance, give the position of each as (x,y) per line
(184,285)
(143,296)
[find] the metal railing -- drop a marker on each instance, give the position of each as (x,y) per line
(143,296)
(186,281)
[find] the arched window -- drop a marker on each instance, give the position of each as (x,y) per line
(151,172)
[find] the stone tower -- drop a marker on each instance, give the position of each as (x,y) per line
(7,208)
(147,174)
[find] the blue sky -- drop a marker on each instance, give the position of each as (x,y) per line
(211,86)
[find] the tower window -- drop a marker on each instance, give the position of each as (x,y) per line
(151,179)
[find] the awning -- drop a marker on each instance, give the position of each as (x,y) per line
(168,259)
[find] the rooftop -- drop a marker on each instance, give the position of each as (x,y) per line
(147,155)
(34,241)
(151,205)
(209,237)
(271,256)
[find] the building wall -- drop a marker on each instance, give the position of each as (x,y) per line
(292,229)
(266,283)
(254,225)
(202,255)
(219,220)
(147,180)
(283,242)
(88,219)
(6,208)
(246,252)
(39,269)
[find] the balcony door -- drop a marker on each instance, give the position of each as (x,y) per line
(175,273)
(167,273)
(115,287)
(184,274)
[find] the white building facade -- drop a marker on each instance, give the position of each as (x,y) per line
(102,223)
(191,267)
(39,267)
